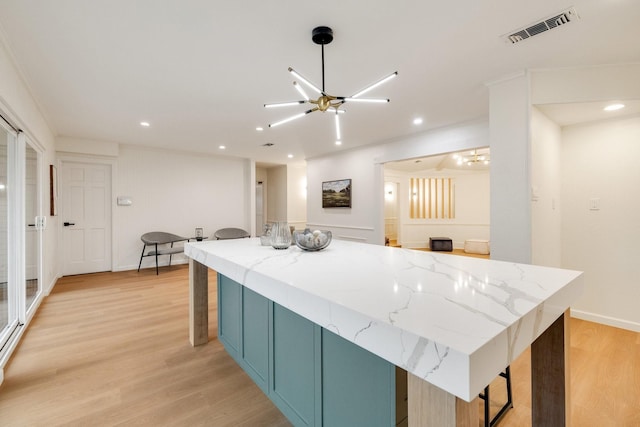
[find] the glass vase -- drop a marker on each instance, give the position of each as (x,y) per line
(280,235)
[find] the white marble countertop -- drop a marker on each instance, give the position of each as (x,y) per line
(454,321)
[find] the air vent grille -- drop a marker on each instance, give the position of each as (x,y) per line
(546,24)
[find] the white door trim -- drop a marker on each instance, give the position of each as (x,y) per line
(102,160)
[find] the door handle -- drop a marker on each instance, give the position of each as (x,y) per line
(31,225)
(66,224)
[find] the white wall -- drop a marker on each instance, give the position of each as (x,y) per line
(546,214)
(601,243)
(297,195)
(472,205)
(177,192)
(600,161)
(365,220)
(277,189)
(360,222)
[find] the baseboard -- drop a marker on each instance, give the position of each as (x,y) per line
(606,320)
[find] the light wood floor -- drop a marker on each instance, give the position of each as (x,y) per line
(112,349)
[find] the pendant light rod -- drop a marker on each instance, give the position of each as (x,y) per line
(322,35)
(323,68)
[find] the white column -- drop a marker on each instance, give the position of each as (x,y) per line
(509,134)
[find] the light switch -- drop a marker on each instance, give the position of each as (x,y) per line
(124,201)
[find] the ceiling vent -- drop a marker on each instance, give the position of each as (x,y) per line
(543,25)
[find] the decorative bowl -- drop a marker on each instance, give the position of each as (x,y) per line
(312,240)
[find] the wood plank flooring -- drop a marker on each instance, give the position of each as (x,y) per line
(112,349)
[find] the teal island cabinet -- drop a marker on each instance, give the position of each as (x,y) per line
(365,335)
(315,377)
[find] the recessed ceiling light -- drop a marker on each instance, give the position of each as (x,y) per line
(222,147)
(613,107)
(417,121)
(338,142)
(259,129)
(145,124)
(290,156)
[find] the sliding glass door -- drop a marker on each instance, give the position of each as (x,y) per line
(8,295)
(33,227)
(20,231)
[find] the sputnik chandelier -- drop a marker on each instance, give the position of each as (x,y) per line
(325,102)
(473,158)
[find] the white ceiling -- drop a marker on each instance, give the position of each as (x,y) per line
(200,70)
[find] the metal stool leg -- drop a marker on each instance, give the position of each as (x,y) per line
(487,416)
(141,256)
(157,260)
(488,421)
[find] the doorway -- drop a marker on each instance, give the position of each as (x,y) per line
(85,217)
(259,208)
(391,209)
(439,195)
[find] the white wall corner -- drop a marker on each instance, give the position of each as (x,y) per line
(48,288)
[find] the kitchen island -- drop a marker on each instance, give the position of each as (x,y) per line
(452,322)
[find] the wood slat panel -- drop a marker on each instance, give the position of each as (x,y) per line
(432,198)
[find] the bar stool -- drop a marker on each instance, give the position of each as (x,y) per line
(488,421)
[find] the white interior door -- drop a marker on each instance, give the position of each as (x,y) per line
(86,217)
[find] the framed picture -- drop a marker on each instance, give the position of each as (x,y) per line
(53,190)
(336,194)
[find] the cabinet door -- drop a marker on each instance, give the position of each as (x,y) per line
(230,315)
(255,337)
(358,387)
(296,365)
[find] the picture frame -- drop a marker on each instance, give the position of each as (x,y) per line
(53,190)
(336,194)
